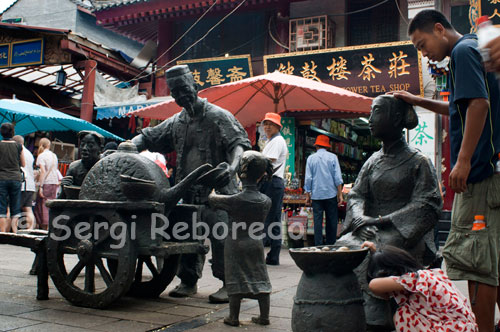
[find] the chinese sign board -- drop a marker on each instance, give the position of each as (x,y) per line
(21,53)
(214,71)
(370,70)
(423,137)
(4,55)
(288,133)
(491,8)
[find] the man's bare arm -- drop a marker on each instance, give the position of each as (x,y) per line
(436,106)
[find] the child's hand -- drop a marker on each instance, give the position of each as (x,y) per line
(369,244)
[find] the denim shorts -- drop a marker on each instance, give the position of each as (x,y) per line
(10,191)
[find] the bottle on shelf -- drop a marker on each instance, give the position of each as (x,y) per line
(479,223)
(486,32)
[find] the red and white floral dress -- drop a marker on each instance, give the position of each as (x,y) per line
(431,302)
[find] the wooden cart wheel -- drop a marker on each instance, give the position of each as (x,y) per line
(152,275)
(76,250)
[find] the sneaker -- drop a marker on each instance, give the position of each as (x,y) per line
(219,297)
(183,290)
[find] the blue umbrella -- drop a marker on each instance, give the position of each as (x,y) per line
(28,118)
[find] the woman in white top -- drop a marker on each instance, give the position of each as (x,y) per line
(49,182)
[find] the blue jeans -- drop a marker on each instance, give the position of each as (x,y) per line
(274,189)
(10,191)
(329,206)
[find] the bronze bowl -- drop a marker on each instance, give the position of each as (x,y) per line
(137,189)
(71,192)
(331,261)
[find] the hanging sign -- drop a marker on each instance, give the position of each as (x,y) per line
(26,52)
(214,71)
(288,133)
(370,70)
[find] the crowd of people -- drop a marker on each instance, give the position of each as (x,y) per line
(23,191)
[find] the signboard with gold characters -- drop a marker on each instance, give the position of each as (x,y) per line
(214,71)
(478,8)
(370,70)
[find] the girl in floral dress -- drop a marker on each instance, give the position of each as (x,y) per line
(427,300)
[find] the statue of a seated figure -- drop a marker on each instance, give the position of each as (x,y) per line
(395,199)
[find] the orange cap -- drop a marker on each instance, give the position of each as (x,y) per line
(478,217)
(274,118)
(322,140)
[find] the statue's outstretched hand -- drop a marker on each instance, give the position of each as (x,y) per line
(224,177)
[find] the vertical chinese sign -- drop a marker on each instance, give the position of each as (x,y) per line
(288,133)
(423,136)
(214,71)
(369,70)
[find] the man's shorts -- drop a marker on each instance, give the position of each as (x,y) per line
(474,255)
(27,198)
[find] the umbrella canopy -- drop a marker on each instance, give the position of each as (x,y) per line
(251,98)
(28,118)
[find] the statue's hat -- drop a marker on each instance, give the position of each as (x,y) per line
(176,71)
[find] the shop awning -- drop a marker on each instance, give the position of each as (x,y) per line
(120,111)
(29,118)
(249,99)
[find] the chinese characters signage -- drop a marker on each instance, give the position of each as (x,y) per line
(423,137)
(369,70)
(27,52)
(491,8)
(4,55)
(215,71)
(288,133)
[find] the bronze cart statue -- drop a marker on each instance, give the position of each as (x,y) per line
(113,239)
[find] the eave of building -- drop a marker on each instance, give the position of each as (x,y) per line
(109,63)
(129,17)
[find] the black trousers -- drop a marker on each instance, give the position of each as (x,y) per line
(274,189)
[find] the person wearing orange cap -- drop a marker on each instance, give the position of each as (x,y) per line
(323,185)
(276,150)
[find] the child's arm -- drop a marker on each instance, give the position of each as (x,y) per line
(383,287)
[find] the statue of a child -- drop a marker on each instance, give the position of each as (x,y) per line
(245,268)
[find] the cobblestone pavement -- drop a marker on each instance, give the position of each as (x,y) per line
(20,311)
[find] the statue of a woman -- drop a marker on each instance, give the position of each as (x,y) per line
(395,199)
(245,268)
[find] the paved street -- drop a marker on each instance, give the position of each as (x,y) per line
(20,311)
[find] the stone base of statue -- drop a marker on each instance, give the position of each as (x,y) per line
(328,296)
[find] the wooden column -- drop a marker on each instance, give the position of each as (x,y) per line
(87,105)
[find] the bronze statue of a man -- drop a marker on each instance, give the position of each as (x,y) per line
(201,133)
(395,199)
(90,147)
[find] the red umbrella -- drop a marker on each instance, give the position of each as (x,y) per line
(251,98)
